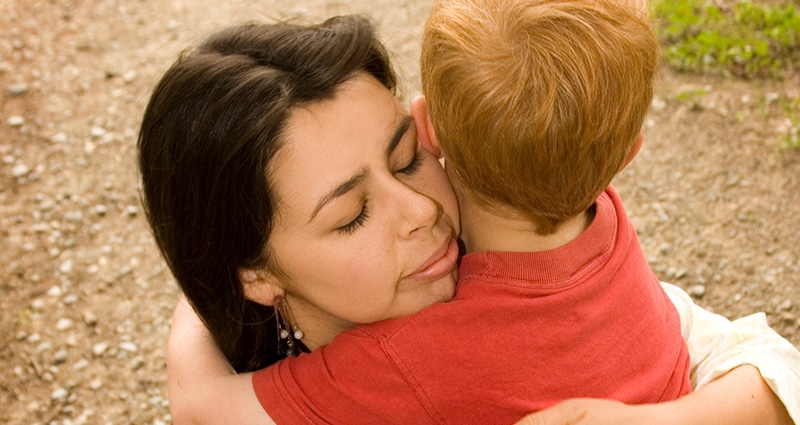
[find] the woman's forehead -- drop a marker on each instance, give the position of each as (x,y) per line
(332,140)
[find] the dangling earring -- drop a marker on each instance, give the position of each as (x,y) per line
(288,331)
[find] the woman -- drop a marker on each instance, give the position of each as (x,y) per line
(273,159)
(220,119)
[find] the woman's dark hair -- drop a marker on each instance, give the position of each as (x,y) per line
(213,125)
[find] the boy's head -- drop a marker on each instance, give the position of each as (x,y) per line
(537,104)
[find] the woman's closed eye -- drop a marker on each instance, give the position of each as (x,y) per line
(412,166)
(357,222)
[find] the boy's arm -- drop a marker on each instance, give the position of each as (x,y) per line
(203,388)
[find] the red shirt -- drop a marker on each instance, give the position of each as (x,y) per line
(524,331)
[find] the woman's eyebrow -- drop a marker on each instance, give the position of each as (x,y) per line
(398,134)
(338,191)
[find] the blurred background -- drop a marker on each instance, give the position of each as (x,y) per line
(85,299)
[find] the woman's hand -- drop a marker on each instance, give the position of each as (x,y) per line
(740,397)
(587,411)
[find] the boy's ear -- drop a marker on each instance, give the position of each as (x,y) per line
(259,286)
(426,136)
(637,145)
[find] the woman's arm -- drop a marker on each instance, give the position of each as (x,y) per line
(203,388)
(718,345)
(740,397)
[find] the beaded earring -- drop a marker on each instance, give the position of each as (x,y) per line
(288,331)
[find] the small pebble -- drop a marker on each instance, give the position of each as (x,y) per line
(100,210)
(59,138)
(97,132)
(697,291)
(99,349)
(96,384)
(60,394)
(129,76)
(128,346)
(63,324)
(17,89)
(66,267)
(20,170)
(38,304)
(16,121)
(137,363)
(60,356)
(131,210)
(89,318)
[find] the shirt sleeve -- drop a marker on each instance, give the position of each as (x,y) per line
(352,381)
(718,345)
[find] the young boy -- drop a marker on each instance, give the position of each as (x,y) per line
(536,106)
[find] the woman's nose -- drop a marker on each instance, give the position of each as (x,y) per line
(418,212)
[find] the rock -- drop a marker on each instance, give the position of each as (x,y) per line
(59,138)
(697,291)
(17,89)
(100,210)
(59,394)
(63,324)
(97,132)
(60,357)
(129,76)
(66,266)
(137,363)
(128,346)
(89,318)
(20,170)
(131,210)
(16,121)
(99,349)
(38,304)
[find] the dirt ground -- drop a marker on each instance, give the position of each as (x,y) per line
(85,300)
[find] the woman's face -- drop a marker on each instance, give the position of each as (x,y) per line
(367,221)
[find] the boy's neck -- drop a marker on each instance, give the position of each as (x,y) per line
(486,230)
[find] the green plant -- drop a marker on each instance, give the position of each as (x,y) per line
(746,39)
(792,110)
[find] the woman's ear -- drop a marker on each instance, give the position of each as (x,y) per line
(260,286)
(426,136)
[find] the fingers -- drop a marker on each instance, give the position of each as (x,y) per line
(570,412)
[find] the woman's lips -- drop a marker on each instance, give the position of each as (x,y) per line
(438,265)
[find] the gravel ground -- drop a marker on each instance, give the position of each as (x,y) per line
(85,300)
